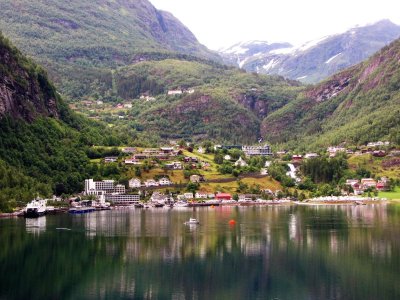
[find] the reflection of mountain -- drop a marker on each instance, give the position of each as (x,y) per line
(274,252)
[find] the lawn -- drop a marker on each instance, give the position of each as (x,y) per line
(374,165)
(395,195)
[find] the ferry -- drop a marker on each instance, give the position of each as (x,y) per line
(35,209)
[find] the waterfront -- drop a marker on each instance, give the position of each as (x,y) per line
(282,252)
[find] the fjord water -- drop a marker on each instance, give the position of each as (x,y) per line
(325,252)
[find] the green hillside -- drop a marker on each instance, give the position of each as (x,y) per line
(225,104)
(80,42)
(358,105)
(43,145)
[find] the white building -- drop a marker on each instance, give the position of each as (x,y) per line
(135,183)
(201,195)
(240,163)
(311,155)
(151,182)
(132,161)
(257,150)
(123,199)
(164,181)
(102,187)
(175,92)
(188,195)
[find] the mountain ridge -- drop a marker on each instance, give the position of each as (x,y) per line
(318,59)
(357,105)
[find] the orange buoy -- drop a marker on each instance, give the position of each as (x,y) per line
(232,222)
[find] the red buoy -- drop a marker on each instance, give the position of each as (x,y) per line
(232,222)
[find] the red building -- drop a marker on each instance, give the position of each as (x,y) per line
(223,196)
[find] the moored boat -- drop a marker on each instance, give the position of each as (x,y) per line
(35,209)
(81,210)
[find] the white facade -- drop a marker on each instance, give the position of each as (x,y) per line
(240,163)
(151,182)
(135,183)
(164,181)
(188,195)
(257,150)
(123,199)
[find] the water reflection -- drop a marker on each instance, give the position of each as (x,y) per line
(346,252)
(35,226)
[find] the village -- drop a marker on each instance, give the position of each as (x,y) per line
(180,175)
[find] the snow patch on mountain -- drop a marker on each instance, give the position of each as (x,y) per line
(332,58)
(272,63)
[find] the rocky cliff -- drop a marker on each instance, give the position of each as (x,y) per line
(25,91)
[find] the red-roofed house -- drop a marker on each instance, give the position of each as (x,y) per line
(223,196)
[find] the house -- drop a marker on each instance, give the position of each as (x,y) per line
(135,183)
(195,178)
(132,161)
(223,196)
(247,197)
(201,150)
(174,92)
(167,150)
(368,182)
(240,163)
(352,181)
(164,181)
(227,157)
(188,159)
(383,184)
(188,195)
(129,150)
(334,150)
(128,105)
(264,171)
(358,189)
(151,182)
(201,195)
(110,159)
(176,165)
(297,157)
(311,155)
(379,153)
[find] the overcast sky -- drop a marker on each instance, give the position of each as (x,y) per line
(222,23)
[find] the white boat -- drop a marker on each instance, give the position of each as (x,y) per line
(192,221)
(181,204)
(35,208)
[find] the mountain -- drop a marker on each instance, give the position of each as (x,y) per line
(319,59)
(240,53)
(43,145)
(225,104)
(80,42)
(357,105)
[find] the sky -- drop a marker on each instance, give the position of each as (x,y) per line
(222,23)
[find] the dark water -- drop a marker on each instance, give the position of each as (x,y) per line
(348,252)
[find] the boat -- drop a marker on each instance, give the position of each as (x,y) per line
(192,221)
(81,210)
(35,209)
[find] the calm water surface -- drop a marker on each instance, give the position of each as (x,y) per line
(346,252)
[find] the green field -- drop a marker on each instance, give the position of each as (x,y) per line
(395,195)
